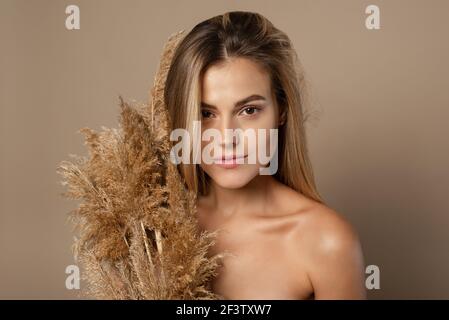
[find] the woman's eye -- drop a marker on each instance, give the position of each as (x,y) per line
(249,110)
(206,114)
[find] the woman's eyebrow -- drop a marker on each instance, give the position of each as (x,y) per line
(239,103)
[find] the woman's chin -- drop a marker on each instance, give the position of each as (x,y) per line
(232,178)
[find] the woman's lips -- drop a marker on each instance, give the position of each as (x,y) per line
(229,162)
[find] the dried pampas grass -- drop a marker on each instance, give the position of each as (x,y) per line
(138,236)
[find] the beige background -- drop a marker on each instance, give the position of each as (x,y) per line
(378,141)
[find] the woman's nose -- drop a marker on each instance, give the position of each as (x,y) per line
(229,136)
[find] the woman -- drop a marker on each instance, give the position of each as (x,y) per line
(237,71)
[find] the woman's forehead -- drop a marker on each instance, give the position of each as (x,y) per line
(233,80)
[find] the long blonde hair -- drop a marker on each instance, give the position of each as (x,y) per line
(252,36)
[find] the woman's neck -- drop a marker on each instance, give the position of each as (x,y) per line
(249,199)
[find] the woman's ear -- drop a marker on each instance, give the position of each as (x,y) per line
(282,117)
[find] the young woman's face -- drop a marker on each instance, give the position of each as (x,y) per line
(236,95)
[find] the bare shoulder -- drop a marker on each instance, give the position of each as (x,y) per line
(322,231)
(327,246)
(326,230)
(316,223)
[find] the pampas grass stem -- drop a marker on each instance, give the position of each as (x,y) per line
(147,247)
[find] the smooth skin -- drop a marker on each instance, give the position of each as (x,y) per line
(282,244)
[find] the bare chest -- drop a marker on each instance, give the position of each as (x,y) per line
(259,263)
